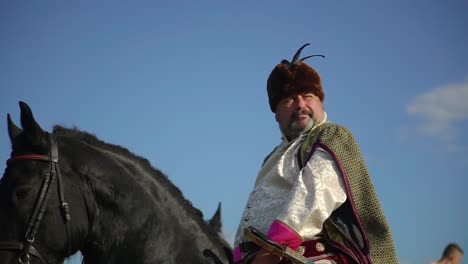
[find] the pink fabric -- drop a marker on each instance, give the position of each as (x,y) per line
(324,251)
(237,255)
(282,234)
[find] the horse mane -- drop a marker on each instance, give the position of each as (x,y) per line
(157,174)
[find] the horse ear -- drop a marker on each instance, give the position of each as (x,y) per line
(215,221)
(32,129)
(13,130)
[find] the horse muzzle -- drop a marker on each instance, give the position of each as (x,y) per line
(18,252)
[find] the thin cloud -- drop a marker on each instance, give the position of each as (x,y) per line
(441,111)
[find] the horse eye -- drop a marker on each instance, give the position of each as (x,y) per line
(22,192)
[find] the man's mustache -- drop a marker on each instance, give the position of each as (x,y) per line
(295,115)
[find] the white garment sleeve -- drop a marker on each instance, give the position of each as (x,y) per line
(317,192)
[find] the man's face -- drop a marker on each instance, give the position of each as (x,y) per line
(298,113)
(456,257)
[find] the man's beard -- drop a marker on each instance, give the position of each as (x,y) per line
(295,129)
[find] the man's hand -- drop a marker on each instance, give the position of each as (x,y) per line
(265,257)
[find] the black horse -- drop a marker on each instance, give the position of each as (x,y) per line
(67,191)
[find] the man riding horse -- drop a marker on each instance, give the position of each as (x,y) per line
(313,193)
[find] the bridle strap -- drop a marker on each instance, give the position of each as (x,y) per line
(11,245)
(54,159)
(27,157)
(40,206)
(65,208)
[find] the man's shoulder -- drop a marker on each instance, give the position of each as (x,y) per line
(332,136)
(271,153)
(332,129)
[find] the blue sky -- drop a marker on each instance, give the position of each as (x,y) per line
(183,84)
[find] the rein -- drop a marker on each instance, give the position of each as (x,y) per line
(26,247)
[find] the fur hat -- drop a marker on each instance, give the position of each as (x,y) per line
(293,77)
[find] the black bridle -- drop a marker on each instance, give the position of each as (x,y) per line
(26,248)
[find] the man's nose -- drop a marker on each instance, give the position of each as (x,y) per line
(300,102)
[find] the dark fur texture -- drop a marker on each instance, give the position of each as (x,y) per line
(123,210)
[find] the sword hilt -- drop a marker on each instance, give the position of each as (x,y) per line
(274,248)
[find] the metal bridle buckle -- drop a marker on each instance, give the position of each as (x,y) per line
(24,258)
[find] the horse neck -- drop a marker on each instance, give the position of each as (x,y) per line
(142,218)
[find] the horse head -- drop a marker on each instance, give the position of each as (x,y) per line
(36,223)
(67,191)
